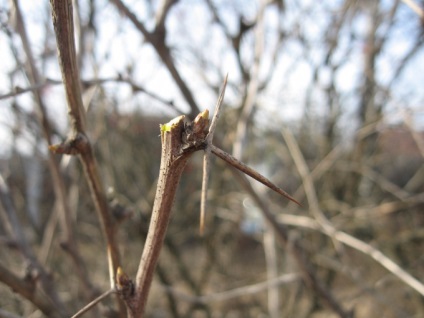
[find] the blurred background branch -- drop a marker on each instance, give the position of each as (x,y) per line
(340,79)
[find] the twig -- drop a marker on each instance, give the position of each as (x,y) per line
(237,292)
(78,142)
(271,258)
(253,85)
(93,303)
(415,7)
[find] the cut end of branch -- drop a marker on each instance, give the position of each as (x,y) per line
(168,126)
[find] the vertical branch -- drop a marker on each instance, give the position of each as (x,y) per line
(270,248)
(170,172)
(64,29)
(253,86)
(175,153)
(78,142)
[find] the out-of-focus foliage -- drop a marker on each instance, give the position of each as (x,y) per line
(345,78)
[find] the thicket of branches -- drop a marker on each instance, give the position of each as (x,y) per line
(322,98)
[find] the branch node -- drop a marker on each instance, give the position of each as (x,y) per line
(124,285)
(75,145)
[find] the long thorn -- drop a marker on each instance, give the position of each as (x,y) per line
(217,112)
(207,155)
(250,172)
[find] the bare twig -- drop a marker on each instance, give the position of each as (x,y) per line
(237,292)
(415,7)
(253,86)
(270,249)
(93,303)
(63,24)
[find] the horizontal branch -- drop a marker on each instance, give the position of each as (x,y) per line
(237,292)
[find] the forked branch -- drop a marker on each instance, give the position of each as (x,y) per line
(179,140)
(77,142)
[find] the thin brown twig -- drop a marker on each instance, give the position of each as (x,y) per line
(253,85)
(271,258)
(63,24)
(78,143)
(308,183)
(236,292)
(93,303)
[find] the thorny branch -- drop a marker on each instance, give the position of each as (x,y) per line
(179,140)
